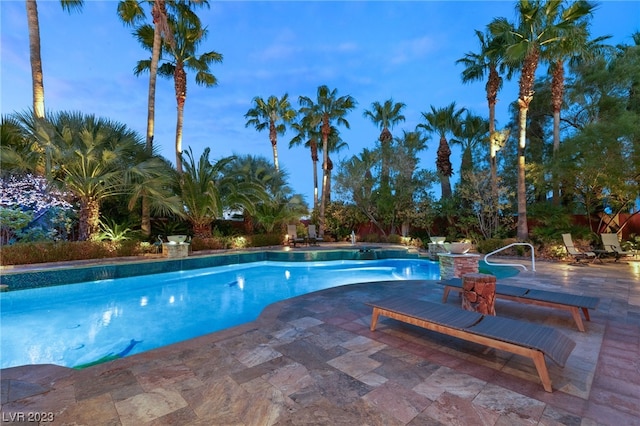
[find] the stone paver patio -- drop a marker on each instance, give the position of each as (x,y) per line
(312,360)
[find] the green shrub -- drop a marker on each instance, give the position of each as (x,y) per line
(264,240)
(43,252)
(371,238)
(212,243)
(490,244)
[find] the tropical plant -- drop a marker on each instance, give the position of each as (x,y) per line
(443,121)
(328,107)
(273,114)
(309,135)
(471,132)
(95,159)
(279,211)
(575,47)
(110,230)
(258,169)
(188,34)
(206,191)
(487,62)
(385,116)
(540,25)
(37,80)
(131,12)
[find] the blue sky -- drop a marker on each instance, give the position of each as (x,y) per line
(372,51)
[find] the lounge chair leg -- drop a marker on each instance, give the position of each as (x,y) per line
(446,294)
(538,360)
(374,319)
(577,318)
(585,311)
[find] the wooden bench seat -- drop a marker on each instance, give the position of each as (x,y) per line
(518,337)
(573,303)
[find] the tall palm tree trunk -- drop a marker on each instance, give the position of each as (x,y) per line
(180,79)
(445,169)
(325,172)
(493,84)
(35,58)
(273,137)
(524,99)
(557,93)
(88,218)
(314,159)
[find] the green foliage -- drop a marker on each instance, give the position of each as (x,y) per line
(169,227)
(12,221)
(112,231)
(342,218)
(551,221)
(211,243)
(44,252)
(490,244)
(265,240)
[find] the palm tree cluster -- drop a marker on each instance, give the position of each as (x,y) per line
(100,161)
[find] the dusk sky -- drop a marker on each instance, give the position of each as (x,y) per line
(372,51)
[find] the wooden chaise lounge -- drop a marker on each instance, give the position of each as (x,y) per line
(518,337)
(551,299)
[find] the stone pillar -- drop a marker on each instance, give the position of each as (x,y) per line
(479,293)
(173,250)
(456,265)
(435,249)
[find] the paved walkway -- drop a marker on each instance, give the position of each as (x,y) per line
(312,360)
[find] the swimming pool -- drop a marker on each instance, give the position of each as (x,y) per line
(82,324)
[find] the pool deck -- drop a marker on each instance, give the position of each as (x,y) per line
(312,360)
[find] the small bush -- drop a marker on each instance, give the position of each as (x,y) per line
(371,238)
(213,243)
(264,240)
(490,244)
(43,252)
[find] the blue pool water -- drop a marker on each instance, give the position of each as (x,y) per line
(80,324)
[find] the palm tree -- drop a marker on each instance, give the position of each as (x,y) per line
(540,25)
(335,143)
(37,80)
(310,135)
(487,63)
(327,108)
(132,13)
(385,116)
(208,188)
(249,168)
(96,159)
(188,35)
(443,121)
(575,47)
(274,114)
(472,131)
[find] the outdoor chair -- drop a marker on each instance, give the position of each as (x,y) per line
(313,236)
(574,252)
(292,236)
(612,246)
(517,337)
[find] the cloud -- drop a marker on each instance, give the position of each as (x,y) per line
(409,50)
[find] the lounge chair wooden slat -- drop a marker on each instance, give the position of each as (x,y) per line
(574,303)
(554,344)
(529,340)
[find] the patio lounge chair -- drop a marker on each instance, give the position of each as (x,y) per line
(313,236)
(612,246)
(292,236)
(574,252)
(573,303)
(518,337)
